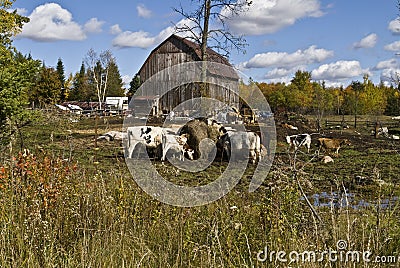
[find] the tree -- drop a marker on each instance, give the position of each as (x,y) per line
(302,89)
(78,84)
(373,98)
(17,72)
(393,100)
(98,66)
(199,30)
(47,87)
(82,90)
(322,101)
(115,85)
(338,95)
(61,78)
(10,24)
(352,99)
(134,85)
(16,78)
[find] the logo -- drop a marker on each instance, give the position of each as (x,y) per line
(176,94)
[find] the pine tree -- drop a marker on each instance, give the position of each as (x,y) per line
(61,78)
(115,85)
(82,86)
(47,88)
(134,85)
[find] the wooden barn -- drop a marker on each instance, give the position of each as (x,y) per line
(176,50)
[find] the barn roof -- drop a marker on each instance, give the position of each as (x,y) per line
(212,56)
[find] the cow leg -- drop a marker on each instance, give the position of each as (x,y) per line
(253,156)
(164,153)
(131,148)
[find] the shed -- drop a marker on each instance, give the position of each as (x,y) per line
(176,50)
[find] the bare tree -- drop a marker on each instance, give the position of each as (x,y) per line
(99,68)
(395,80)
(198,29)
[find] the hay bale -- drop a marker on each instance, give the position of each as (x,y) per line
(199,129)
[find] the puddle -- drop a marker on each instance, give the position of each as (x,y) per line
(339,200)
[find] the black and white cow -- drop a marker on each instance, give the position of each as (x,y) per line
(143,136)
(299,140)
(236,144)
(175,143)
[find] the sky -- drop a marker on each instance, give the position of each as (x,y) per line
(338,41)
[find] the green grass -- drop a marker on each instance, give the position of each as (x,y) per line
(59,209)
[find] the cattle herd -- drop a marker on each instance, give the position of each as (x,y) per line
(186,141)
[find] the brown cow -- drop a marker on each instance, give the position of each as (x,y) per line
(329,144)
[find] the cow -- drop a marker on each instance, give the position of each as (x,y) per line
(147,136)
(299,140)
(234,143)
(332,144)
(174,143)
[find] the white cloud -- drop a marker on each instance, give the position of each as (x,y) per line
(394,26)
(367,42)
(278,72)
(269,16)
(142,39)
(288,61)
(93,26)
(51,22)
(143,12)
(395,46)
(387,64)
(134,39)
(115,29)
(126,79)
(338,70)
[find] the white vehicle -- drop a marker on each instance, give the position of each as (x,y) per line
(117,104)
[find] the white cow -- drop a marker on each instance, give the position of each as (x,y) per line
(234,143)
(174,143)
(150,137)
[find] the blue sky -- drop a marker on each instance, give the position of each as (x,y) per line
(338,41)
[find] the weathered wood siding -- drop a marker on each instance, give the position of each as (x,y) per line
(172,52)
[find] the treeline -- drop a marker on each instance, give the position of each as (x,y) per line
(90,83)
(305,96)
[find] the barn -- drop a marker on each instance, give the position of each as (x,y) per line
(177,50)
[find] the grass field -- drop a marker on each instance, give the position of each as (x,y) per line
(58,208)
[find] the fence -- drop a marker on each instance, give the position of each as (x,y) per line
(332,124)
